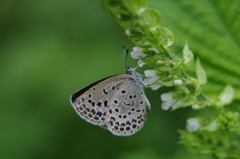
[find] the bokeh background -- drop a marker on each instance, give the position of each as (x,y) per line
(48,50)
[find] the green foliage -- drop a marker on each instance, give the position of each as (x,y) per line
(142,27)
(210,145)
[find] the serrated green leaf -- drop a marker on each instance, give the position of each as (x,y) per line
(212,29)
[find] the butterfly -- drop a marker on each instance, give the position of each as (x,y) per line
(117,103)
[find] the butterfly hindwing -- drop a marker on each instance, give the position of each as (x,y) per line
(127,113)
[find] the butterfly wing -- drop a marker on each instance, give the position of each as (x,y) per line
(129,105)
(91,102)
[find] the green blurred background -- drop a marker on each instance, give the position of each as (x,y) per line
(50,49)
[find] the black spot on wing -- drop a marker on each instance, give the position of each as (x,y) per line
(83,90)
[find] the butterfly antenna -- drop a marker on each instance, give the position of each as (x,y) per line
(125,55)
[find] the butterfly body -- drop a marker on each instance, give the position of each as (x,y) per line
(116,102)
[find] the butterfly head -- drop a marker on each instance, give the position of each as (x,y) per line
(136,76)
(130,70)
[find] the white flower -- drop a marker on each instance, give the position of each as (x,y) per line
(196,106)
(193,124)
(178,82)
(153,49)
(128,32)
(155,87)
(137,52)
(151,76)
(169,102)
(140,63)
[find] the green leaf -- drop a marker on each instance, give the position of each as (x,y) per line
(152,16)
(227,95)
(200,73)
(136,5)
(187,55)
(166,35)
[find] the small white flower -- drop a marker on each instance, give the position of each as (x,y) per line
(151,76)
(137,52)
(178,82)
(140,63)
(160,62)
(169,102)
(196,106)
(193,124)
(128,32)
(155,87)
(153,49)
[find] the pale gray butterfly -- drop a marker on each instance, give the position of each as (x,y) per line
(117,103)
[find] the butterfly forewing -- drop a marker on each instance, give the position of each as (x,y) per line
(92,101)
